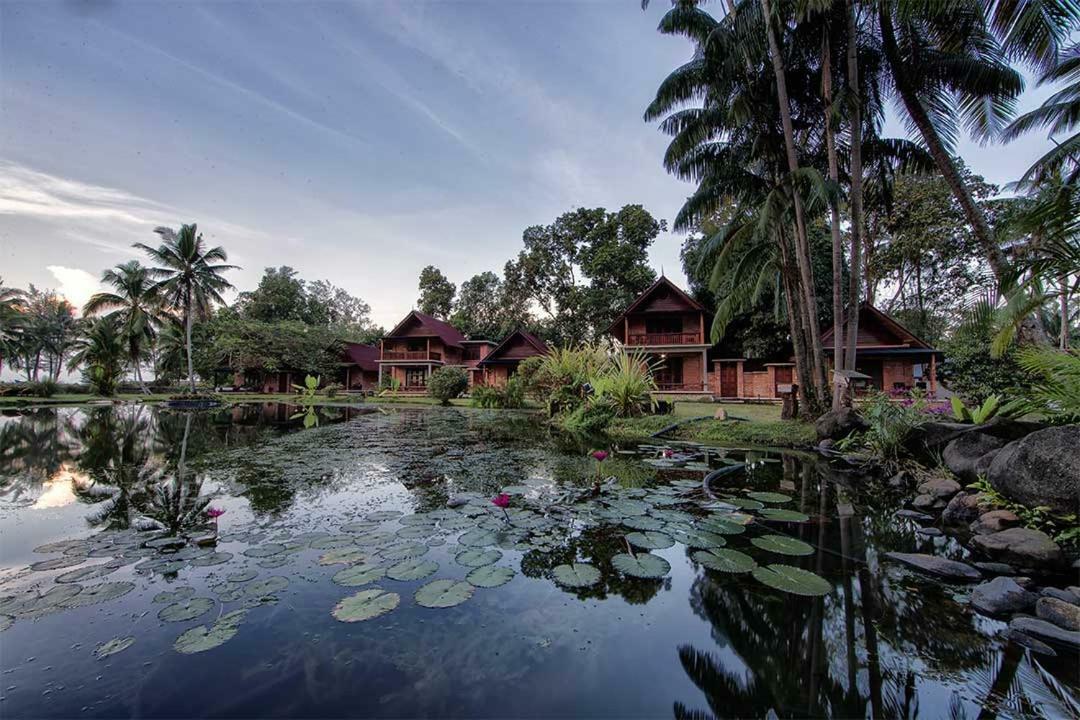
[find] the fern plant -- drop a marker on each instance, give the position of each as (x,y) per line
(1055,395)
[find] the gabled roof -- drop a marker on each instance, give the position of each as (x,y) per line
(661,282)
(446,332)
(536,343)
(903,337)
(366,357)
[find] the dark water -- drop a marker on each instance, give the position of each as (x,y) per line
(695,643)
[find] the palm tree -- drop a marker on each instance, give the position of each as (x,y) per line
(189,277)
(102,353)
(134,306)
(1059,113)
(11,319)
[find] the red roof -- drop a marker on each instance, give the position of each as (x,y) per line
(868,315)
(661,281)
(366,357)
(539,345)
(446,332)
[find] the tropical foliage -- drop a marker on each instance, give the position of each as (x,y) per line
(447,383)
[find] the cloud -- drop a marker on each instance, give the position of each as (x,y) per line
(75,284)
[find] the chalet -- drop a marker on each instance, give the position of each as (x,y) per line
(667,326)
(361,366)
(420,344)
(503,360)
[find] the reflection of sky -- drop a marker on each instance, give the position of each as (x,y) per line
(59,490)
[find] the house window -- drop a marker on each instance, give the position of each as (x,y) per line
(663,325)
(669,373)
(416,377)
(417,344)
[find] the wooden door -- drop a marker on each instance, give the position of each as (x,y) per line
(782,376)
(729,380)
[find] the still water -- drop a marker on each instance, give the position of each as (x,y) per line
(650,594)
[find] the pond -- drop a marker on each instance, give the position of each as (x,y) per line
(360,568)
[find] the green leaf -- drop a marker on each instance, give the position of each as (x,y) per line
(746,504)
(642,565)
(490,576)
(264,551)
(576,575)
(412,569)
(793,580)
(93,594)
(87,573)
(649,540)
(725,560)
(782,545)
(721,526)
(640,522)
(181,593)
(365,605)
(443,593)
(769,497)
(357,575)
(475,557)
(267,586)
(333,541)
(200,638)
(404,550)
(784,515)
(113,646)
(699,538)
(185,610)
(343,556)
(478,538)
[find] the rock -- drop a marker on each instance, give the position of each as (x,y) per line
(838,424)
(982,465)
(1063,614)
(1041,469)
(935,435)
(1023,547)
(996,568)
(720,414)
(1075,590)
(964,507)
(940,488)
(964,452)
(205,540)
(1046,631)
(994,521)
(913,515)
(929,532)
(1024,582)
(1000,596)
(901,481)
(926,502)
(934,565)
(1024,640)
(1063,595)
(456,501)
(826,445)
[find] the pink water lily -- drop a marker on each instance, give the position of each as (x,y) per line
(501,500)
(600,455)
(214,512)
(668,452)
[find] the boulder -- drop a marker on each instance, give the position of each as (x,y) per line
(1044,630)
(962,454)
(936,435)
(941,488)
(926,502)
(982,465)
(994,521)
(720,414)
(1063,614)
(996,568)
(1024,640)
(964,507)
(937,566)
(901,481)
(838,424)
(1041,469)
(1001,596)
(1023,547)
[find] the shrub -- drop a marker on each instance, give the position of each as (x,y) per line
(971,372)
(625,384)
(1055,391)
(891,426)
(102,379)
(484,396)
(527,371)
(510,395)
(43,388)
(447,383)
(562,376)
(389,383)
(590,418)
(333,389)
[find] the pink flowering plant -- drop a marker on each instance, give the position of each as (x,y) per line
(502,501)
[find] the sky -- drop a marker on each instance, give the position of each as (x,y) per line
(356,142)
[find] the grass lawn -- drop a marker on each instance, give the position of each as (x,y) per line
(751,424)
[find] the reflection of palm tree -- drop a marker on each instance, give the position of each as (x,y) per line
(177,503)
(33,448)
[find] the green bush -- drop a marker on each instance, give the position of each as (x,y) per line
(102,379)
(561,377)
(333,389)
(891,426)
(510,395)
(589,419)
(971,372)
(625,384)
(1055,392)
(484,396)
(447,383)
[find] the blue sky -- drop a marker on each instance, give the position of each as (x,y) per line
(356,142)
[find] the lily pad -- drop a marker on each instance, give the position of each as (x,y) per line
(699,538)
(102,592)
(769,497)
(273,562)
(382,515)
(214,558)
(113,646)
(357,575)
(343,556)
(650,540)
(58,563)
(200,638)
(475,557)
(793,580)
(782,545)
(187,609)
(267,586)
(402,551)
(722,526)
(725,560)
(331,542)
(365,605)
(242,576)
(641,565)
(490,576)
(359,527)
(412,569)
(576,575)
(416,532)
(746,504)
(784,515)
(629,507)
(86,573)
(642,522)
(265,551)
(443,593)
(478,538)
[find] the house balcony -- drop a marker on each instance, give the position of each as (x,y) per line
(411,356)
(663,339)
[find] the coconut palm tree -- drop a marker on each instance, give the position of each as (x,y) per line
(1059,113)
(11,320)
(189,277)
(134,306)
(102,353)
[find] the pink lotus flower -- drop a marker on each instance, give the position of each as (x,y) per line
(501,500)
(600,455)
(214,513)
(668,452)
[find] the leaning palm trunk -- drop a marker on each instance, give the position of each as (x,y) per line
(188,320)
(834,222)
(1063,283)
(788,277)
(855,200)
(802,245)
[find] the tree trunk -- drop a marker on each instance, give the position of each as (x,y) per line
(802,245)
(787,274)
(856,198)
(834,222)
(1063,283)
(188,321)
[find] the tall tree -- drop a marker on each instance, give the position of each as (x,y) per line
(478,312)
(135,308)
(436,293)
(101,352)
(280,295)
(189,276)
(11,320)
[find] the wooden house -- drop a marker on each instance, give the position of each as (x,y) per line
(503,360)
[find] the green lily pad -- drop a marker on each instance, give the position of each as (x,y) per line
(792,580)
(412,569)
(576,575)
(490,576)
(374,538)
(725,560)
(86,573)
(746,504)
(200,638)
(365,605)
(113,646)
(185,610)
(343,556)
(357,575)
(273,562)
(402,551)
(642,522)
(443,593)
(475,557)
(267,586)
(242,577)
(642,565)
(784,515)
(57,563)
(478,538)
(699,538)
(265,551)
(214,558)
(650,540)
(102,592)
(629,507)
(382,515)
(331,542)
(769,497)
(415,532)
(782,545)
(722,526)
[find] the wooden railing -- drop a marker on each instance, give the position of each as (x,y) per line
(675,387)
(679,338)
(411,355)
